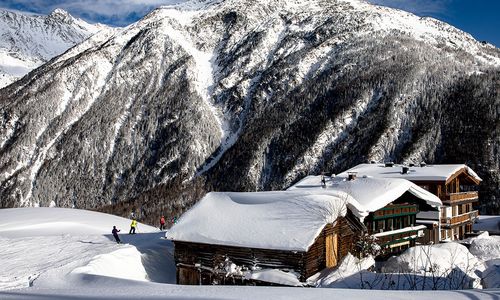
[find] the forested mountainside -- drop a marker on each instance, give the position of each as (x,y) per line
(243,95)
(28,41)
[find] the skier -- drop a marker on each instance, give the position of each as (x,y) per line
(115,234)
(162,223)
(133,225)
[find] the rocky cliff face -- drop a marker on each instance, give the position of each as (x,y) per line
(243,95)
(28,41)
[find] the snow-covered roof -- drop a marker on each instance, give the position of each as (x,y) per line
(416,173)
(364,194)
(267,220)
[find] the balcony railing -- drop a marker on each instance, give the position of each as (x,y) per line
(460,196)
(466,217)
(398,235)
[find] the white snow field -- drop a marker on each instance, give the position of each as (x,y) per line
(56,253)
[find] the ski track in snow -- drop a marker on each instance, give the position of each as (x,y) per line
(47,247)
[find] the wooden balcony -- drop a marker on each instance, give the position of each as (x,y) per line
(463,218)
(459,197)
(391,237)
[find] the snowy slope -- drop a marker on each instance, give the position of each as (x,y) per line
(488,223)
(59,242)
(61,263)
(27,41)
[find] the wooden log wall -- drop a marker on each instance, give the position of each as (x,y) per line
(315,258)
(212,255)
(304,263)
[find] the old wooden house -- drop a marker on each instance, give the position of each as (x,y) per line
(277,238)
(388,207)
(456,186)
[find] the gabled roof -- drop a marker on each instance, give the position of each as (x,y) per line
(364,194)
(416,173)
(266,220)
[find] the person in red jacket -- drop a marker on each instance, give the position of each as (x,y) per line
(162,223)
(115,234)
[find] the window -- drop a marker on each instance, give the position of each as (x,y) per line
(381,225)
(390,224)
(397,223)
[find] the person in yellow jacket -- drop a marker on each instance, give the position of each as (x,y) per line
(133,225)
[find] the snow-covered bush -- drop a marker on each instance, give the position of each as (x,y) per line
(486,248)
(348,267)
(442,266)
(367,246)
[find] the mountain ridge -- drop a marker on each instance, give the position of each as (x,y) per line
(245,95)
(29,40)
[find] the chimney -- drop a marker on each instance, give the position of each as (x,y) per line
(405,170)
(351,176)
(389,164)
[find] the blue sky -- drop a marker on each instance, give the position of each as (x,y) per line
(481,18)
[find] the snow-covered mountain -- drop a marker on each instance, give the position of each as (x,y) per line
(243,95)
(28,41)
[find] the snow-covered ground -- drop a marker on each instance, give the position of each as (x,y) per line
(488,223)
(55,253)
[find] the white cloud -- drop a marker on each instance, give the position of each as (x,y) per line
(117,12)
(115,7)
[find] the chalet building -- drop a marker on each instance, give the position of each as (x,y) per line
(455,185)
(389,208)
(271,238)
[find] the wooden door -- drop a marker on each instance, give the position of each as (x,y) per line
(331,250)
(188,276)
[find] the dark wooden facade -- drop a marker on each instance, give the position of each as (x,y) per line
(431,235)
(395,222)
(458,194)
(200,263)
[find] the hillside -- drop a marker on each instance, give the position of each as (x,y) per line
(242,95)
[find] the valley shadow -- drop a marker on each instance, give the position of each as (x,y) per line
(157,254)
